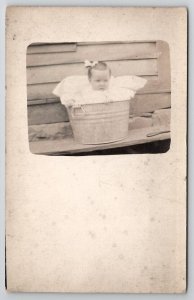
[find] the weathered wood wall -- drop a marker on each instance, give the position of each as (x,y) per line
(48,64)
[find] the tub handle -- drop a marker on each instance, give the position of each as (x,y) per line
(77,114)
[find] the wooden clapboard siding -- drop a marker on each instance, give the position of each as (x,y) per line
(51,48)
(55,73)
(44,90)
(94,52)
(56,112)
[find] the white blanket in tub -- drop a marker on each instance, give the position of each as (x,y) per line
(78,89)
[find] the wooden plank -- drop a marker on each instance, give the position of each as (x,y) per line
(60,58)
(56,112)
(46,113)
(44,90)
(41,91)
(43,101)
(69,145)
(149,103)
(164,69)
(58,72)
(155,86)
(96,52)
(51,48)
(38,101)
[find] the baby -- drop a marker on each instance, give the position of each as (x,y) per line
(99,75)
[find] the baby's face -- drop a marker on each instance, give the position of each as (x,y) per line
(100,80)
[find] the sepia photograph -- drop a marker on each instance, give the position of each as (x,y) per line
(96,150)
(94,98)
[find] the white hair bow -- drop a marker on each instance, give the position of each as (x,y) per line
(90,63)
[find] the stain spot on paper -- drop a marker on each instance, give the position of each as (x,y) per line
(92,234)
(121,256)
(125,232)
(152,278)
(103,216)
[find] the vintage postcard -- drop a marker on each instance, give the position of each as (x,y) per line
(96,102)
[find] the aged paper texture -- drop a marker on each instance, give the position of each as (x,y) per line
(95,223)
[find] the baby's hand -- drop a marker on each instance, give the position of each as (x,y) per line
(70,102)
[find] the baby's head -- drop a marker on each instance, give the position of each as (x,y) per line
(99,76)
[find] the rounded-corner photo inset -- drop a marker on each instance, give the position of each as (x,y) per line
(99,98)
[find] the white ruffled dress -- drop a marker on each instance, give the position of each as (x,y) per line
(78,89)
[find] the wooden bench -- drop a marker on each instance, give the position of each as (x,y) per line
(47,64)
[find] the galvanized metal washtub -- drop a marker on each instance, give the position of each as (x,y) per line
(100,122)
